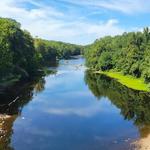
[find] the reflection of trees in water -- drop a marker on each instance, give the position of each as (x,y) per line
(39,86)
(10,110)
(134,105)
(13,100)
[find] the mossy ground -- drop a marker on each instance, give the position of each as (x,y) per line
(128,80)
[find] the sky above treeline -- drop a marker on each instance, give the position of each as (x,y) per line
(77,21)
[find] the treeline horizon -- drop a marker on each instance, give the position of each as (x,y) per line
(128,53)
(21,55)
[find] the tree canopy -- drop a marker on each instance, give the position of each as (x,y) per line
(21,55)
(17,53)
(128,53)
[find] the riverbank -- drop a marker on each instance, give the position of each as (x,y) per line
(128,80)
(143,144)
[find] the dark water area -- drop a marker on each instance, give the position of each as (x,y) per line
(72,109)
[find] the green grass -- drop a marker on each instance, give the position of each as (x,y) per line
(128,80)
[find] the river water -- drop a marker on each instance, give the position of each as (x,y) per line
(72,109)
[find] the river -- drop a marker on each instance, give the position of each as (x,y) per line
(72,109)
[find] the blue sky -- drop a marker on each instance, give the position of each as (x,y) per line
(77,21)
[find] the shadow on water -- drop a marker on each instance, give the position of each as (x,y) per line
(134,105)
(15,97)
(12,100)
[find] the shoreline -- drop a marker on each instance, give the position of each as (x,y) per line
(142,143)
(127,80)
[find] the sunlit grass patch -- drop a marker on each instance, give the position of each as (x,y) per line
(128,80)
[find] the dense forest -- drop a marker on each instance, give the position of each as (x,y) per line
(128,53)
(52,50)
(21,56)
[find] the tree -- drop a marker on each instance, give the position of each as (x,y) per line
(105,61)
(128,53)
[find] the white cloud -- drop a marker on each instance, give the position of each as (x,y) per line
(47,22)
(125,6)
(88,111)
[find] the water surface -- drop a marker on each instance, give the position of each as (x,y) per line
(72,109)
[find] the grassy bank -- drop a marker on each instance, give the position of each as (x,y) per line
(129,81)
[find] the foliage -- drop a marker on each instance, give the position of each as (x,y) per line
(21,56)
(57,49)
(128,53)
(16,50)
